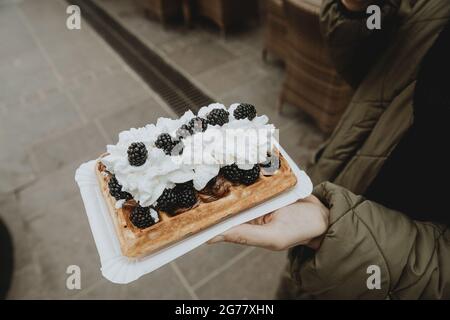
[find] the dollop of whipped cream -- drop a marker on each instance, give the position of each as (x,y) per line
(147,182)
(154,215)
(244,142)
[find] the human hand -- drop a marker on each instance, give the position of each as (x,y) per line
(301,223)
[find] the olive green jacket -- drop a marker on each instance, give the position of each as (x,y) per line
(413,257)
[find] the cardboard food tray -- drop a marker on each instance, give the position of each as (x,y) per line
(119,269)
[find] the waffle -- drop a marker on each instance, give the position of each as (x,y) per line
(209,210)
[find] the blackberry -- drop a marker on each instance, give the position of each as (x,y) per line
(141,217)
(245,110)
(189,183)
(198,124)
(184,131)
(232,173)
(164,142)
(268,162)
(177,148)
(265,164)
(249,177)
(167,201)
(115,189)
(272,162)
(217,117)
(137,154)
(185,194)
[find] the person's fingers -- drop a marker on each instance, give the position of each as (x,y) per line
(216,239)
(257,221)
(262,220)
(254,235)
(268,217)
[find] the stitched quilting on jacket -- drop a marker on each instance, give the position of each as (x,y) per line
(413,256)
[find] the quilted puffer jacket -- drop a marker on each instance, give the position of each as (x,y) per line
(411,258)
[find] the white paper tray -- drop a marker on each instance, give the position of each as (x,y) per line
(119,269)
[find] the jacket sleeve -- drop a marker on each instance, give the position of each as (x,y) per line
(413,257)
(352,46)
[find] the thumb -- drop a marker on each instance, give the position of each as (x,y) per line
(252,235)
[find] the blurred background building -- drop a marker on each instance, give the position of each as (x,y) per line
(65,94)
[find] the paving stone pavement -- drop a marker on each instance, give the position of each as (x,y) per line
(65,95)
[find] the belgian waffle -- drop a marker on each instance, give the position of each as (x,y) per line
(209,210)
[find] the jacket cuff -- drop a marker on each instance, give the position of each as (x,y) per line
(339,268)
(372,252)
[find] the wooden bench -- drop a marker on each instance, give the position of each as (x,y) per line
(224,13)
(163,10)
(311,81)
(275,30)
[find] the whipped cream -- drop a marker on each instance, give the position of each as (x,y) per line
(154,215)
(244,142)
(247,142)
(147,182)
(203,112)
(170,126)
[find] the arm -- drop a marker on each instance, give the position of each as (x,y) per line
(414,257)
(341,235)
(353,47)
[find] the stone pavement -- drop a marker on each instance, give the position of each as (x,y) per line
(65,95)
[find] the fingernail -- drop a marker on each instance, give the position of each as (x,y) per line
(216,239)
